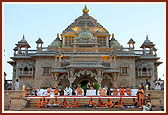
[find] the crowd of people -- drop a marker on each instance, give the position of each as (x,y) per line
(142,101)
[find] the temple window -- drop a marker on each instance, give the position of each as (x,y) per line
(101,41)
(68,40)
(26,70)
(46,70)
(124,70)
(21,70)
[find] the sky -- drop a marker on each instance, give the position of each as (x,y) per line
(133,20)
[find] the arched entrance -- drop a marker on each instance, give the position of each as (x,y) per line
(84,80)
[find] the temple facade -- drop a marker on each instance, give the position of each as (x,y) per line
(84,52)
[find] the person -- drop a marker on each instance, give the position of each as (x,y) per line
(27,92)
(140,95)
(91,103)
(39,104)
(142,86)
(68,91)
(48,103)
(56,102)
(122,91)
(148,83)
(65,104)
(148,106)
(49,90)
(79,90)
(17,84)
(128,90)
(23,87)
(115,91)
(100,103)
(147,98)
(75,103)
(120,103)
(102,92)
(43,102)
(56,90)
(109,104)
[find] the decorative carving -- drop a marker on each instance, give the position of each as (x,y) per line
(85,72)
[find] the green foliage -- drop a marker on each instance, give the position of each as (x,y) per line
(96,85)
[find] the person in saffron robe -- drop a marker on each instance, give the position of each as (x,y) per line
(120,103)
(65,103)
(79,90)
(140,95)
(100,103)
(109,104)
(56,102)
(49,90)
(39,104)
(128,90)
(27,92)
(122,91)
(56,91)
(115,91)
(75,103)
(102,92)
(91,103)
(43,102)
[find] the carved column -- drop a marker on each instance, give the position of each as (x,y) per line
(71,77)
(99,76)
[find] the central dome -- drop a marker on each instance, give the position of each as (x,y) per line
(92,24)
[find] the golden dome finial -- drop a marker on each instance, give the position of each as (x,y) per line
(85,10)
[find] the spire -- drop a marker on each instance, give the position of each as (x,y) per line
(147,37)
(57,35)
(112,35)
(23,36)
(85,10)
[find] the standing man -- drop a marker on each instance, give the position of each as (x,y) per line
(148,83)
(140,96)
(16,84)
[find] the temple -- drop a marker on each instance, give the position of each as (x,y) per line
(84,52)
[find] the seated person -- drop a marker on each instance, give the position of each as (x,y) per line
(74,103)
(115,91)
(56,103)
(56,91)
(100,103)
(128,90)
(102,92)
(65,104)
(27,92)
(91,103)
(68,91)
(39,104)
(120,103)
(109,104)
(122,91)
(148,106)
(48,103)
(34,91)
(43,103)
(79,91)
(49,90)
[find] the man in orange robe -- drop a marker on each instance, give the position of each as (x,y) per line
(91,103)
(39,104)
(43,102)
(56,102)
(128,90)
(56,91)
(102,92)
(120,103)
(49,90)
(79,90)
(27,92)
(101,103)
(109,104)
(140,95)
(65,103)
(75,103)
(115,91)
(122,91)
